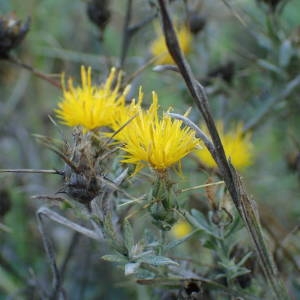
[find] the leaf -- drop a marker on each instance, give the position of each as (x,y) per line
(265,42)
(176,243)
(108,226)
(131,268)
(115,240)
(157,260)
(243,260)
(270,67)
(199,221)
(241,271)
(118,258)
(285,53)
(144,274)
(128,235)
(234,227)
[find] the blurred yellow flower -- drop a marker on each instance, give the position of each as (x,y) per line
(150,140)
(181,229)
(238,147)
(91,106)
(159,48)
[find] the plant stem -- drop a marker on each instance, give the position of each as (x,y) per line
(244,204)
(39,74)
(130,30)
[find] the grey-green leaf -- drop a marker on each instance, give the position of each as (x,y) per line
(176,243)
(118,258)
(199,221)
(270,67)
(157,260)
(131,268)
(285,53)
(128,235)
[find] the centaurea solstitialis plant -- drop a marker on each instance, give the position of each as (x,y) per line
(122,147)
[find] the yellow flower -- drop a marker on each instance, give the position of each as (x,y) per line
(91,106)
(158,142)
(181,229)
(238,148)
(159,49)
(123,114)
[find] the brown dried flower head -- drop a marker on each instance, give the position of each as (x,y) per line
(99,13)
(12,32)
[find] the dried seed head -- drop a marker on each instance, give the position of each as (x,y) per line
(80,186)
(81,174)
(225,72)
(12,32)
(99,13)
(196,22)
(272,4)
(192,290)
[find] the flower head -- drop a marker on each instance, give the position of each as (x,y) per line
(181,229)
(159,49)
(158,142)
(125,114)
(91,106)
(238,148)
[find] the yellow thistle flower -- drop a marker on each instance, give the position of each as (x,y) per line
(123,115)
(159,48)
(91,106)
(181,229)
(238,148)
(158,142)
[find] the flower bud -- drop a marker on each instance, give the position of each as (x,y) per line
(161,208)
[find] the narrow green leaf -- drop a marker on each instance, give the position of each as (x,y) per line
(199,221)
(157,260)
(118,258)
(176,243)
(285,53)
(270,67)
(128,235)
(115,240)
(243,260)
(234,227)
